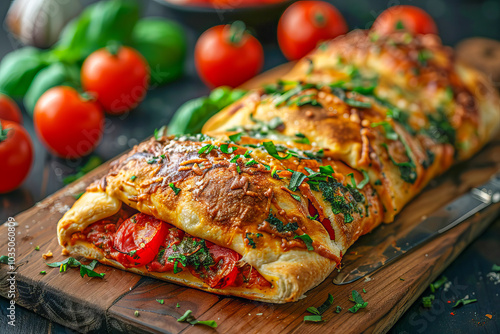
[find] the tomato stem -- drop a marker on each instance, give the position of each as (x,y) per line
(113,47)
(236,32)
(3,133)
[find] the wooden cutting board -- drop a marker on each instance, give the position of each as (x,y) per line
(100,305)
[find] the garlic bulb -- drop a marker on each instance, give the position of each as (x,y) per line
(39,22)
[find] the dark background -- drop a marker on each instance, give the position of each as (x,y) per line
(456,20)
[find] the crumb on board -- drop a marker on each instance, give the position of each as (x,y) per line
(47,255)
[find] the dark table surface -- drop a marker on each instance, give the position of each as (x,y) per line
(470,274)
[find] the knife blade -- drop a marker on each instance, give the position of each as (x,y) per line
(440,221)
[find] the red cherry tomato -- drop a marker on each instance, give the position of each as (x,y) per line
(68,124)
(306,23)
(138,239)
(9,110)
(409,18)
(119,80)
(226,55)
(16,155)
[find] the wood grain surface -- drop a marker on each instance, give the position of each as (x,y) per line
(95,305)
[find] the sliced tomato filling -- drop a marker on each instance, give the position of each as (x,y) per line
(142,240)
(313,212)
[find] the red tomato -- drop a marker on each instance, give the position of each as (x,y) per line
(173,237)
(9,110)
(327,224)
(227,55)
(306,23)
(224,272)
(119,80)
(16,155)
(68,124)
(101,234)
(138,239)
(252,277)
(410,18)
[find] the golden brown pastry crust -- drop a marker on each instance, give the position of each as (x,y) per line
(384,142)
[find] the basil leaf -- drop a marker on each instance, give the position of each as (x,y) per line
(271,149)
(307,240)
(296,180)
(89,270)
(57,74)
(236,137)
(359,302)
(192,115)
(228,150)
(18,68)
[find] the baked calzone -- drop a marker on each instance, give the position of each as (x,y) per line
(266,201)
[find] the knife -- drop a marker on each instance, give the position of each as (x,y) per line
(440,221)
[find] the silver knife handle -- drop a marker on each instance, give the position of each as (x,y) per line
(489,192)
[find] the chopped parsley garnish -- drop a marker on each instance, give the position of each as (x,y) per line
(188,317)
(332,192)
(378,182)
(280,227)
(136,313)
(423,57)
(4,259)
(363,183)
(437,284)
(37,248)
(325,306)
(206,149)
(161,301)
(251,162)
(43,272)
(198,254)
(307,240)
(440,130)
(388,130)
(296,180)
(302,139)
(178,305)
(427,301)
(251,242)
(313,218)
(85,269)
(338,309)
(340,93)
(271,149)
(133,177)
(296,197)
(313,318)
(174,188)
(463,302)
(359,303)
(407,169)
